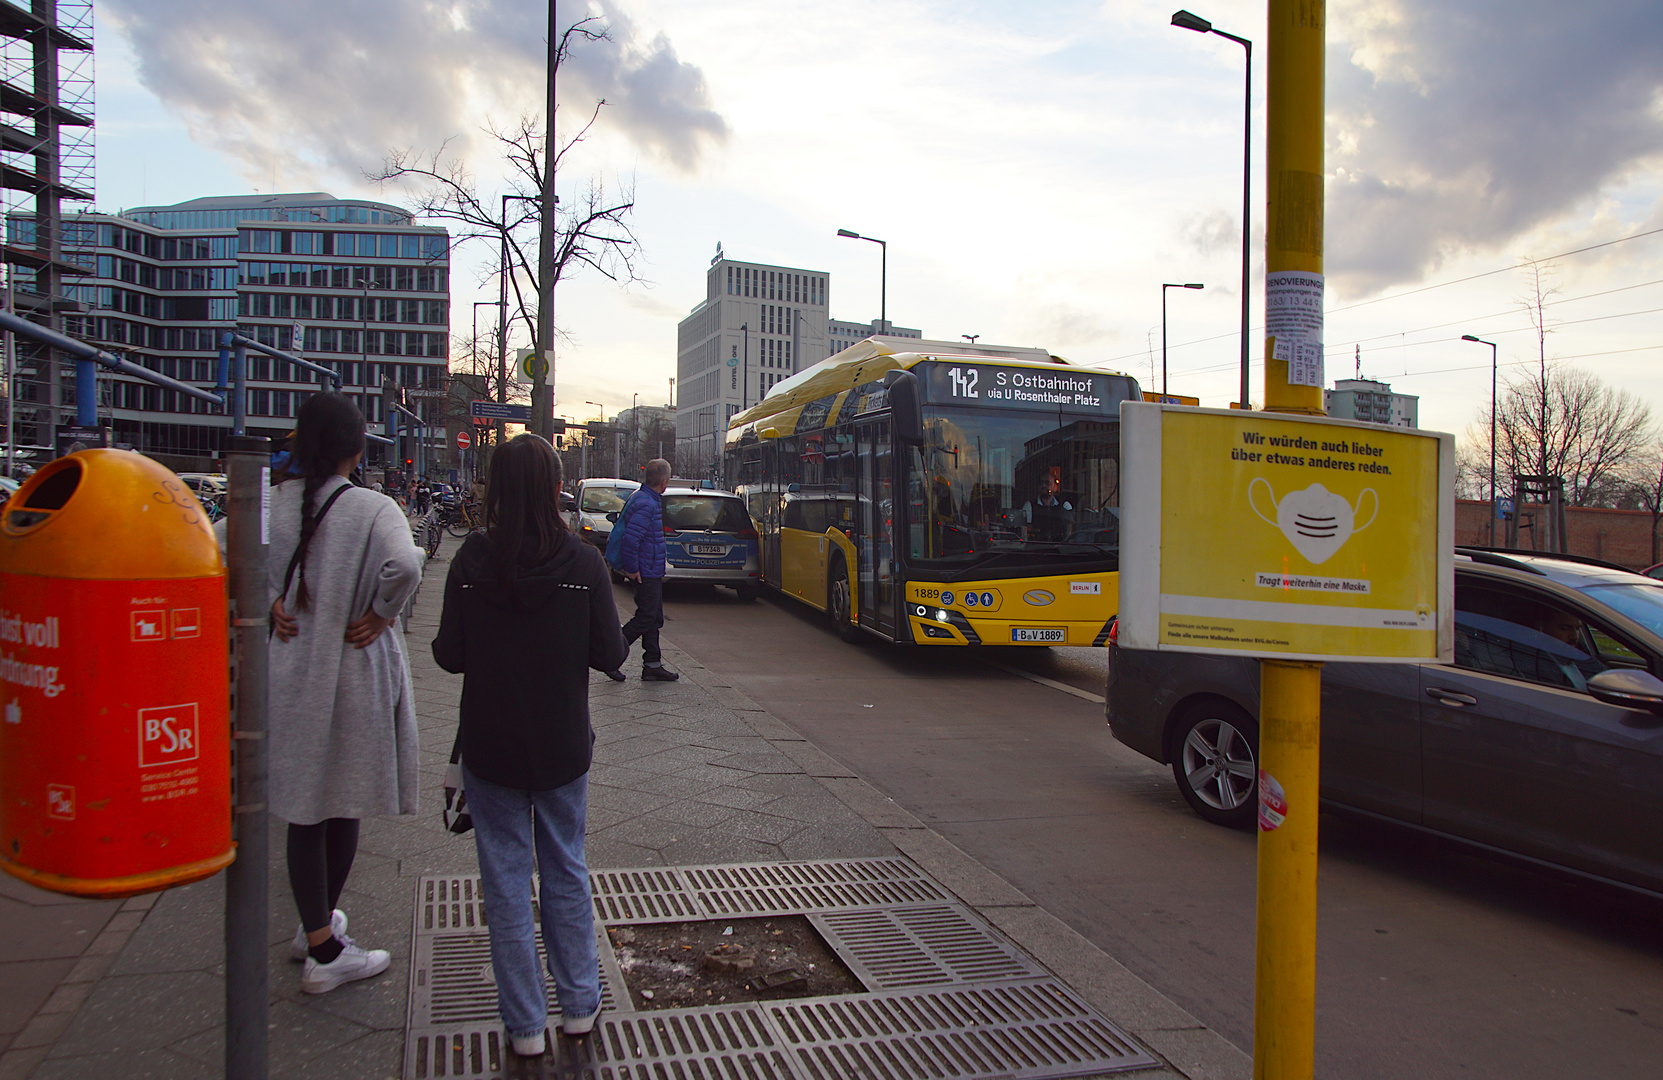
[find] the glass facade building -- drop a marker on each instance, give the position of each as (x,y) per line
(354,285)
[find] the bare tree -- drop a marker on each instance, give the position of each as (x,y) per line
(1644,489)
(1565,422)
(594,232)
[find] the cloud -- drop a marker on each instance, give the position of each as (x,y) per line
(310,85)
(1458,128)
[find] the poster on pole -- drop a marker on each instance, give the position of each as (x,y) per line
(1284,536)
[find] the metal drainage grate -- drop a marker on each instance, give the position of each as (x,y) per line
(1032,1029)
(451,981)
(801,887)
(641,896)
(951,997)
(891,948)
(449,903)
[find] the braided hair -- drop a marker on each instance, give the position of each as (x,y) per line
(328,431)
(522,505)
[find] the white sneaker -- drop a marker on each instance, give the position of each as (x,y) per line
(579,1025)
(354,963)
(529,1045)
(298,951)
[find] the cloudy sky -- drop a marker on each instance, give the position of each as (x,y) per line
(1037,169)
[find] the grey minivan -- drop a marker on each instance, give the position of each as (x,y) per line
(1543,740)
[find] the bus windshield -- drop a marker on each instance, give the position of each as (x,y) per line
(986,482)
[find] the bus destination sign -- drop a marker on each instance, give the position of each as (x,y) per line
(997,386)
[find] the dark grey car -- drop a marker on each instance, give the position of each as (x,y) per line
(1544,739)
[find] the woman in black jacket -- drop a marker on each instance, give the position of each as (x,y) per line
(528,612)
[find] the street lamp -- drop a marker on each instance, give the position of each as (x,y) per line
(970,337)
(1492,345)
(883,276)
(583,465)
(1195,22)
(1164,288)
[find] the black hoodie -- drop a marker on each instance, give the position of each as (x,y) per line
(525,658)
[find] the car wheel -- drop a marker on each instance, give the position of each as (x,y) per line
(838,601)
(747,593)
(1215,760)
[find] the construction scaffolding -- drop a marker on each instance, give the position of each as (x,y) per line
(46,159)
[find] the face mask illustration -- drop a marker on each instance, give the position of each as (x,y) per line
(1316,521)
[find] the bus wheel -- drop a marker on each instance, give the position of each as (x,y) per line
(838,601)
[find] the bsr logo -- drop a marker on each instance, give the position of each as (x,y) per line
(167,734)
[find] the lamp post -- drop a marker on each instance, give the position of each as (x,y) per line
(1492,345)
(583,465)
(502,320)
(971,337)
(883,275)
(1195,22)
(635,439)
(745,371)
(1164,288)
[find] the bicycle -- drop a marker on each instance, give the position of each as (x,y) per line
(462,519)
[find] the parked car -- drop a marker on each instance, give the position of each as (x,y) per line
(709,536)
(1544,739)
(205,486)
(598,501)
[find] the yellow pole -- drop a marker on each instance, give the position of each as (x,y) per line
(1290,692)
(1284,984)
(1293,186)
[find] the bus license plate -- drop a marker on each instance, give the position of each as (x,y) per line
(1038,633)
(708,549)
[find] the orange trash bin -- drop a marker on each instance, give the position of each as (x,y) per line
(115,757)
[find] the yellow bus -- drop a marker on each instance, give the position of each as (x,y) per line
(960,497)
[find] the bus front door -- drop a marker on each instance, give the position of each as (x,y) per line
(877,515)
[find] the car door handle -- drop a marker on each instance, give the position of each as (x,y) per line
(1450,697)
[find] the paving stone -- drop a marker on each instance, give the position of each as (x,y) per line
(144,1065)
(820,808)
(770,761)
(121,1016)
(718,845)
(297,1033)
(714,775)
(29,985)
(695,814)
(48,931)
(837,842)
(737,797)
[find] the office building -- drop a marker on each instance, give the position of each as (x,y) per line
(757,325)
(352,284)
(1367,399)
(46,133)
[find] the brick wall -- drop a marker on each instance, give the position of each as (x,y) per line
(1619,536)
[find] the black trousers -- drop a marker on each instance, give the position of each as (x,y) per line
(648,619)
(320,858)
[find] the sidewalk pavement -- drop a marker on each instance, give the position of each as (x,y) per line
(691,772)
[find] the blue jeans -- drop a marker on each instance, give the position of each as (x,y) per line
(508,824)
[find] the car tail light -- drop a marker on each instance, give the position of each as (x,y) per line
(746,534)
(668,531)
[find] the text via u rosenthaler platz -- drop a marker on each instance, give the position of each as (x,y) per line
(1281,535)
(1041,389)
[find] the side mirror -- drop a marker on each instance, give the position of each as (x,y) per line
(1628,688)
(612,516)
(906,407)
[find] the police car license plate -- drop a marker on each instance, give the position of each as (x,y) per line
(707,549)
(1038,633)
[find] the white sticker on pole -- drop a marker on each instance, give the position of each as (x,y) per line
(265,504)
(1293,316)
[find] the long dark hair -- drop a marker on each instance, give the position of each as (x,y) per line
(328,431)
(522,505)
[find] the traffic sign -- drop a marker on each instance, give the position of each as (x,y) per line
(463,440)
(498,410)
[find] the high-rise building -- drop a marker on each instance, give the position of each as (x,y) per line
(756,326)
(1373,401)
(352,284)
(46,134)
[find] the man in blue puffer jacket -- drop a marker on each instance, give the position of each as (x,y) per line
(641,559)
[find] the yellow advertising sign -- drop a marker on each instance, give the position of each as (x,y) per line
(1285,536)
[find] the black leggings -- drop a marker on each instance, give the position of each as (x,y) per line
(320,857)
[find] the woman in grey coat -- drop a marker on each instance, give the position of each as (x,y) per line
(341,711)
